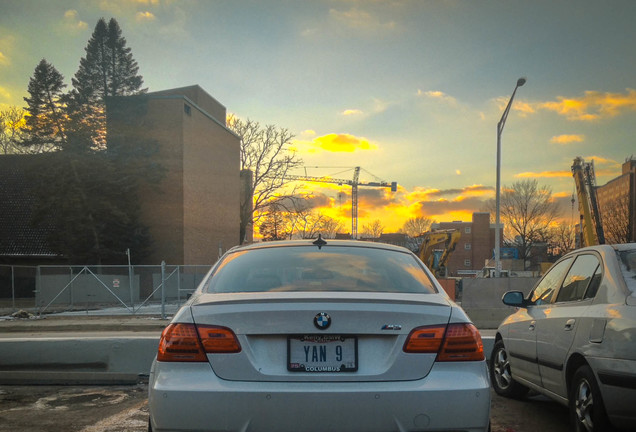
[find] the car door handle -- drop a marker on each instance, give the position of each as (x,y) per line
(569,325)
(531,326)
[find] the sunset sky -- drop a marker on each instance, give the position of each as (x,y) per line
(411,91)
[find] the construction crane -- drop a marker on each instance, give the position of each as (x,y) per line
(436,248)
(585,181)
(354,183)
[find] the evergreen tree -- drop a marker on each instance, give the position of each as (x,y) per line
(87,191)
(108,69)
(45,119)
(90,207)
(122,79)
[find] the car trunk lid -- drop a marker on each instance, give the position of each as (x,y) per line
(276,329)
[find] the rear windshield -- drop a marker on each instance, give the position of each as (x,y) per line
(628,267)
(333,268)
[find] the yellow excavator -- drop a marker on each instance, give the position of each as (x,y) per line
(436,248)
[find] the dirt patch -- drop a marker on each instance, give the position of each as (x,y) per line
(73,409)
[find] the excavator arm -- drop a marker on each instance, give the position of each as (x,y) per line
(585,181)
(436,241)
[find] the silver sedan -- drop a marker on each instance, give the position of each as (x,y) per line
(319,336)
(574,338)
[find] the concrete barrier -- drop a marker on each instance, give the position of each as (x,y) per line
(110,359)
(481,298)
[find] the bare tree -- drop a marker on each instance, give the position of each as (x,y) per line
(265,152)
(561,239)
(416,226)
(330,227)
(527,210)
(274,223)
(11,123)
(373,229)
(615,219)
(293,218)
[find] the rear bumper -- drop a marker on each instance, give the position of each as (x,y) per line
(189,397)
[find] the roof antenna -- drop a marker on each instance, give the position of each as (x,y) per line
(320,242)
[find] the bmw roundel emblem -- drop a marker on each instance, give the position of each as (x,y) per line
(322,321)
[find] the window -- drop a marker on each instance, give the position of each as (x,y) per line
(467,230)
(594,284)
(467,246)
(547,286)
(187,109)
(467,263)
(307,268)
(583,272)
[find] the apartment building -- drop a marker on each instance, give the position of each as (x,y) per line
(475,245)
(617,205)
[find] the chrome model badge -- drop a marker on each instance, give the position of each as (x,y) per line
(322,321)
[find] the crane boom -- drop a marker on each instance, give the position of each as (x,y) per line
(354,183)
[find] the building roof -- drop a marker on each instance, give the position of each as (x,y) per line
(18,237)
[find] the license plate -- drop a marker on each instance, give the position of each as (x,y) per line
(322,353)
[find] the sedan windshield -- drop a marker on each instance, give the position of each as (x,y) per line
(301,268)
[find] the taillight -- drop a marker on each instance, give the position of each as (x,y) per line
(462,343)
(454,342)
(217,340)
(190,343)
(425,339)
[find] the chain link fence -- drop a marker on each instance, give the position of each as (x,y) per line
(121,289)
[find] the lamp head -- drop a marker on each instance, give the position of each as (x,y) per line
(520,82)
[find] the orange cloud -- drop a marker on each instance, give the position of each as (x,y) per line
(393,209)
(338,143)
(438,95)
(352,112)
(474,190)
(567,139)
(523,107)
(593,105)
(602,161)
(72,21)
(144,16)
(544,174)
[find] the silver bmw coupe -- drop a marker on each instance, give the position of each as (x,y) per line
(318,335)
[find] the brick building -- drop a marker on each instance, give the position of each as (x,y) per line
(475,245)
(617,205)
(192,215)
(195,214)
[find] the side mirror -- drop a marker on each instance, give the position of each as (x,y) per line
(514,298)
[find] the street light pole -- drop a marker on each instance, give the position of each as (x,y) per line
(500,126)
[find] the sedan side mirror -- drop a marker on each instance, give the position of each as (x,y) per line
(514,298)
